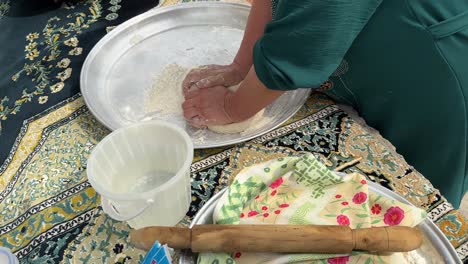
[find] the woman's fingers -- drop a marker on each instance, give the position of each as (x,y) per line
(189,81)
(190,102)
(210,81)
(191,94)
(206,107)
(205,77)
(191,110)
(192,77)
(193,88)
(190,113)
(199,73)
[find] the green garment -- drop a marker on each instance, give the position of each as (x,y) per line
(402,64)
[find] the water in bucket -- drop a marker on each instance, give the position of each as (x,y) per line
(150,181)
(142,173)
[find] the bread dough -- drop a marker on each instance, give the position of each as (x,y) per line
(235,128)
(165,97)
(238,127)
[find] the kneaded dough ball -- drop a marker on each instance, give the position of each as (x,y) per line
(235,128)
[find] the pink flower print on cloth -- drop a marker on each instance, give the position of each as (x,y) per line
(252,213)
(386,212)
(267,208)
(360,198)
(342,220)
(394,216)
(349,205)
(376,209)
(269,205)
(277,183)
(338,260)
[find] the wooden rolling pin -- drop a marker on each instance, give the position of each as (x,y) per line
(280,238)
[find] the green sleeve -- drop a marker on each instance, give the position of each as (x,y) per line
(307,40)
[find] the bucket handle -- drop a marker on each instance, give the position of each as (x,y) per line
(110,210)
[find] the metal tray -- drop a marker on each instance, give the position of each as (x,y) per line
(436,247)
(123,64)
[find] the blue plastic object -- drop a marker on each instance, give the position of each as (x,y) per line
(158,254)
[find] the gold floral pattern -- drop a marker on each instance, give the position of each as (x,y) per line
(47,53)
(64,63)
(62,76)
(30,46)
(4,7)
(379,157)
(114,8)
(43,185)
(57,87)
(76,51)
(32,54)
(43,99)
(32,36)
(71,42)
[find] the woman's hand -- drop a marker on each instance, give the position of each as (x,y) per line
(219,106)
(213,75)
(207,106)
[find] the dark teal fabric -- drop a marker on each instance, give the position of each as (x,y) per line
(31,7)
(406,73)
(306,41)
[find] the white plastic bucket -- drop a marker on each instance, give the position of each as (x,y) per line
(142,173)
(6,257)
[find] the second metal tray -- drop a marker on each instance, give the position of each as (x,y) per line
(435,249)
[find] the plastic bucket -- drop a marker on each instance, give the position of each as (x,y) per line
(142,173)
(6,257)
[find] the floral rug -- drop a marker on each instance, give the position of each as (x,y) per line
(50,213)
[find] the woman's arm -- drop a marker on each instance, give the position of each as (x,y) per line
(228,75)
(259,17)
(251,97)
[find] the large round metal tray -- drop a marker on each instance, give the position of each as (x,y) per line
(436,248)
(123,64)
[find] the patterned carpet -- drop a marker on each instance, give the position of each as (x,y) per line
(49,212)
(464,207)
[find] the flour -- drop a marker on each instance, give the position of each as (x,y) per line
(199,137)
(165,96)
(164,101)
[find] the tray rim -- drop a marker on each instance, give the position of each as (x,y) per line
(153,12)
(427,226)
(117,30)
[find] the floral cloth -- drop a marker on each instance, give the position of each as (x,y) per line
(302,191)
